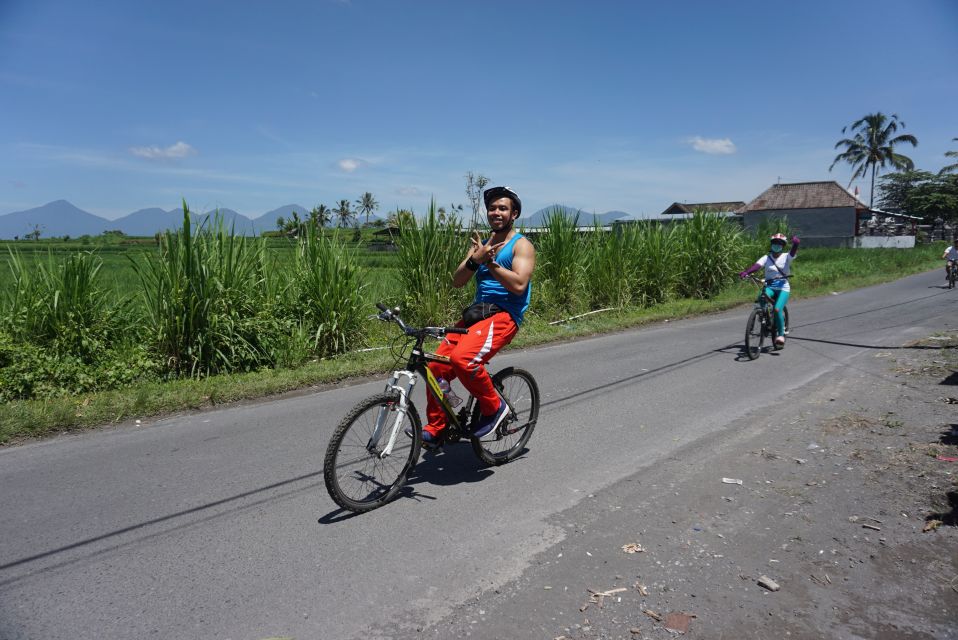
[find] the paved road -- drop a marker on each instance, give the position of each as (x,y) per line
(217,525)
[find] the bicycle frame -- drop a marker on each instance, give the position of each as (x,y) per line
(764,298)
(403,381)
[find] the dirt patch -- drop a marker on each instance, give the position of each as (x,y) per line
(835,515)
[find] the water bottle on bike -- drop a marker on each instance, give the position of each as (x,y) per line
(449,394)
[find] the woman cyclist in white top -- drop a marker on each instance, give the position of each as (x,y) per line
(778,267)
(950,255)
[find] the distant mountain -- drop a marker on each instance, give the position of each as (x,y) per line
(538,219)
(61,218)
(147,222)
(268,219)
(55,218)
(238,222)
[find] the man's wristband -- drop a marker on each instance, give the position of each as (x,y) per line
(471,264)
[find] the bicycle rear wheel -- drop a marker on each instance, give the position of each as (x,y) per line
(521,393)
(358,477)
(951,278)
(754,334)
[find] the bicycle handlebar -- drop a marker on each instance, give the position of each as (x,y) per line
(763,281)
(392,315)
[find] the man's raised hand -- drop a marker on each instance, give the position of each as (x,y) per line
(484,252)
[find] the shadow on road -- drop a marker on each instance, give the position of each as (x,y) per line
(337,515)
(451,465)
(610,386)
(148,523)
(867,311)
(949,518)
(874,346)
(949,435)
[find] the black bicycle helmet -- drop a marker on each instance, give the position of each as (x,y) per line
(494,193)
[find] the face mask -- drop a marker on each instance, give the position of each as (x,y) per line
(778,248)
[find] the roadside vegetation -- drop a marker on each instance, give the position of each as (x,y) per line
(200,316)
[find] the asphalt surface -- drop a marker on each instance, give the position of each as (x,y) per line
(216,524)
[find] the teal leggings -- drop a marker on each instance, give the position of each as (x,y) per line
(781,298)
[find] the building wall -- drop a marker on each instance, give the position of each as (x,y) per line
(885,242)
(832,227)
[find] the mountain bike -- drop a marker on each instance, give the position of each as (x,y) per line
(952,274)
(377,444)
(761,322)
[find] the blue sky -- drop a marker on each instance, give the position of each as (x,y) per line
(601,105)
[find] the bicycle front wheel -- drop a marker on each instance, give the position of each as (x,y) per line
(754,334)
(359,474)
(951,278)
(785,313)
(521,393)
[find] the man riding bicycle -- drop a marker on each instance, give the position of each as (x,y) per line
(502,266)
(950,256)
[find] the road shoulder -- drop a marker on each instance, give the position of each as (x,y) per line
(847,508)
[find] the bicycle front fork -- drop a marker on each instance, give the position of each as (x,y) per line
(400,410)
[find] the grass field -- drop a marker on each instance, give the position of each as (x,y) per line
(119,254)
(816,271)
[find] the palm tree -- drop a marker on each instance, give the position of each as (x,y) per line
(400,217)
(294,225)
(873,146)
(367,204)
(344,212)
(320,216)
(951,167)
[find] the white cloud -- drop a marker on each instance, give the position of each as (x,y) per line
(178,150)
(409,191)
(713,146)
(350,164)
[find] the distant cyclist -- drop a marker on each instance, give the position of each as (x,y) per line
(502,266)
(778,267)
(950,256)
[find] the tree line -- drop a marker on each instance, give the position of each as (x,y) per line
(871,147)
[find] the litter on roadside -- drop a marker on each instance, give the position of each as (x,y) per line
(731,481)
(633,547)
(678,622)
(768,583)
(597,597)
(931,525)
(947,458)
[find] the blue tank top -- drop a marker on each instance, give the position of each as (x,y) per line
(488,289)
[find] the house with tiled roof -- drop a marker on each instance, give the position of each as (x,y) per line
(823,214)
(685,209)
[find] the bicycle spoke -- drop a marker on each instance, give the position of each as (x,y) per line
(522,396)
(358,476)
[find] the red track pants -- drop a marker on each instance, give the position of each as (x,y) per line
(468,354)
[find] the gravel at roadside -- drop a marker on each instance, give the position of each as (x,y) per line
(831,516)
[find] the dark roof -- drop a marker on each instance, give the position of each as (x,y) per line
(804,195)
(708,207)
